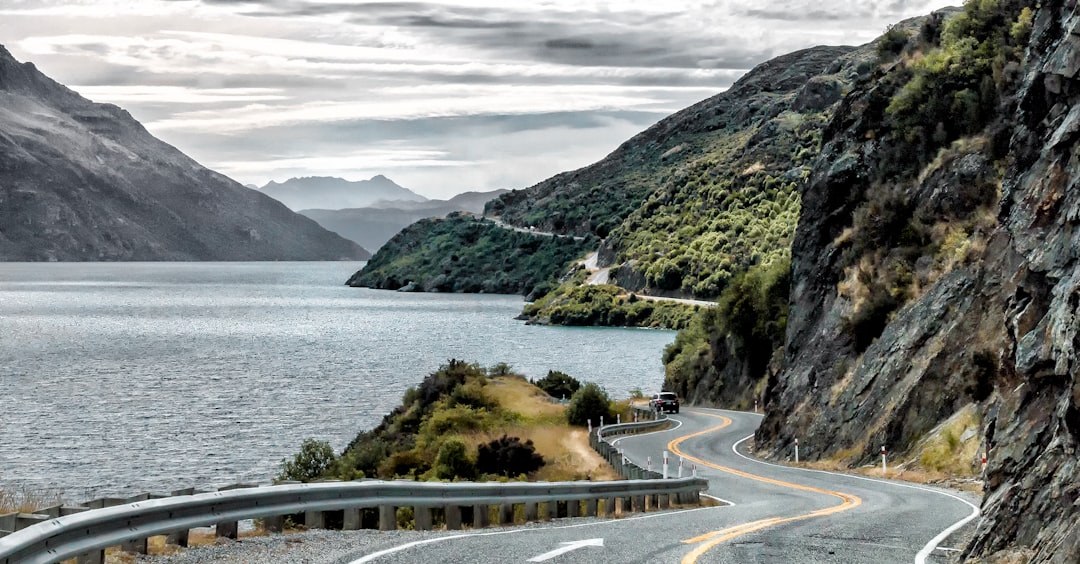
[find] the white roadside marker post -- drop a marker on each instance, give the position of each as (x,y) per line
(796,451)
(755,406)
(883,460)
(618,418)
(680,466)
(601,420)
(590,426)
(665,465)
(693,468)
(984,463)
(648,463)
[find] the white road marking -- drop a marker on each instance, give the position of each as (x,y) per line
(923,554)
(406,546)
(567,547)
(713,497)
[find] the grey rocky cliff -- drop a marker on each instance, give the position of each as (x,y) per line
(999,331)
(81,181)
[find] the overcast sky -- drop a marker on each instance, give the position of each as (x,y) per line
(440,96)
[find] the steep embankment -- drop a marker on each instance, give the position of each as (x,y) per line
(85,181)
(935,271)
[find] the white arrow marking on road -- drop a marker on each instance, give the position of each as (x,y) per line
(567,547)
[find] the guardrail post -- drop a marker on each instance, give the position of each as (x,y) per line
(52,511)
(24,520)
(637,502)
(138,546)
(387,518)
(351,519)
(573,508)
(453,517)
(422,518)
(315,519)
(590,507)
(506,514)
(481,518)
(230,529)
(179,538)
(664,500)
(7,523)
(552,510)
(92,557)
(532,513)
(609,507)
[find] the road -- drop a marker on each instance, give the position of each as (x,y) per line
(777,514)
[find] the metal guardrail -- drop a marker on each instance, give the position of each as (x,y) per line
(627,468)
(87,533)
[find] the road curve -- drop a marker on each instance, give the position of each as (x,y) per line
(778,514)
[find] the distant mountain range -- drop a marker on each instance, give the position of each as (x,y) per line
(331,193)
(81,181)
(374,225)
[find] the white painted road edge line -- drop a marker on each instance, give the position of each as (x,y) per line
(679,424)
(922,555)
(714,498)
(406,546)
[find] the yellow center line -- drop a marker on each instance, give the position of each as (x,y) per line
(710,540)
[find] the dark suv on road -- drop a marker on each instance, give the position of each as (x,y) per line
(665,401)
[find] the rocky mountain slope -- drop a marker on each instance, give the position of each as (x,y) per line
(935,283)
(371,227)
(83,181)
(331,193)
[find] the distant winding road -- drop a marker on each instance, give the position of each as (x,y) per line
(778,514)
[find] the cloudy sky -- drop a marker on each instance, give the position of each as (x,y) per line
(442,96)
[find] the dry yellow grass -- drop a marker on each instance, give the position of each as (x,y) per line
(26,500)
(564,448)
(518,396)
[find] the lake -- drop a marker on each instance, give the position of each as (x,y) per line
(118,378)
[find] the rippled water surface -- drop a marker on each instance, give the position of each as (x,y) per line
(121,377)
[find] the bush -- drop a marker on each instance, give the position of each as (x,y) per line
(590,403)
(311,463)
(453,461)
(558,384)
(509,457)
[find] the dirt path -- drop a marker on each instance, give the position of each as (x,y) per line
(587,459)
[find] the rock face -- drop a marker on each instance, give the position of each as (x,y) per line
(330,193)
(988,316)
(81,181)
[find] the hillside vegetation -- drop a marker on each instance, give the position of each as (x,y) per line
(465,422)
(464,254)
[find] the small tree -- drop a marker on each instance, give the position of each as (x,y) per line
(311,463)
(558,384)
(589,404)
(509,457)
(453,461)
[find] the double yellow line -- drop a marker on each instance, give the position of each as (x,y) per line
(710,540)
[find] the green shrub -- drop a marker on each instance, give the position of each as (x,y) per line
(589,403)
(508,457)
(313,461)
(453,462)
(558,384)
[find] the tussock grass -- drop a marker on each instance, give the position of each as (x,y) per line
(22,499)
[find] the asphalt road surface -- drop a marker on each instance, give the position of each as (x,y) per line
(776,514)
